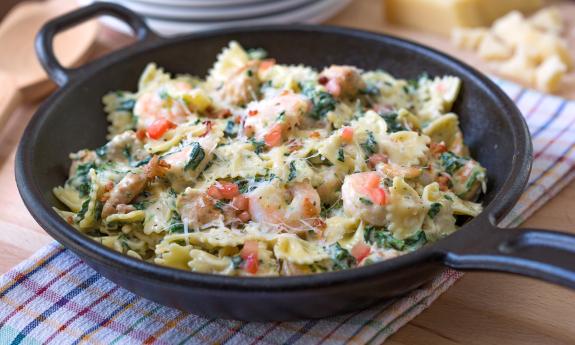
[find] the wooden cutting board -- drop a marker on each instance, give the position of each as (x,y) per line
(482,308)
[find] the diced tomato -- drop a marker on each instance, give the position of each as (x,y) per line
(372,181)
(266,64)
(245,216)
(274,136)
(229,190)
(224,190)
(159,127)
(347,134)
(250,249)
(251,265)
(437,148)
(215,193)
(377,158)
(141,134)
(378,196)
(322,80)
(241,202)
(360,251)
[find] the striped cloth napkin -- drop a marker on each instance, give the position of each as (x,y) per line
(54,298)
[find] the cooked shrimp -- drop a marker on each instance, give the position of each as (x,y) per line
(342,81)
(243,85)
(197,208)
(295,208)
(131,185)
(273,119)
(364,197)
(153,105)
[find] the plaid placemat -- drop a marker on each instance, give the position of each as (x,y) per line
(54,298)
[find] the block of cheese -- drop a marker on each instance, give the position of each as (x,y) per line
(442,16)
(549,74)
(492,48)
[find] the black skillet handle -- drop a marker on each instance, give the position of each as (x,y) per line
(541,254)
(45,37)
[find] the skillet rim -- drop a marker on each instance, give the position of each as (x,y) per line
(70,238)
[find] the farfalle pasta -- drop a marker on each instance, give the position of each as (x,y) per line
(264,169)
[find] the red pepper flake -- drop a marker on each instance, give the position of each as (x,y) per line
(70,220)
(323,80)
(252,112)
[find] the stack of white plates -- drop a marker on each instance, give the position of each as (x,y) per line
(173,17)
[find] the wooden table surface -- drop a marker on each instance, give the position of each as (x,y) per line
(481,308)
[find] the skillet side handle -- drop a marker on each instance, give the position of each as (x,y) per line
(540,254)
(45,37)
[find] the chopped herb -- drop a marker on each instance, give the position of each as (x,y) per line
(392,124)
(237,261)
(371,90)
(250,73)
(434,210)
(451,162)
(365,201)
(101,151)
(80,215)
(127,152)
(258,145)
(124,242)
(196,156)
(370,145)
(406,89)
(230,130)
(416,241)
(219,204)
(387,182)
(382,238)
(163,95)
(472,179)
(292,171)
(81,181)
(142,162)
(322,102)
(126,105)
(281,116)
(340,155)
(141,205)
(448,197)
(175,226)
(342,259)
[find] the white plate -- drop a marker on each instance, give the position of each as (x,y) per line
(165,12)
(316,13)
(203,3)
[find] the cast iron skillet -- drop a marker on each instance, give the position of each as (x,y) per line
(494,130)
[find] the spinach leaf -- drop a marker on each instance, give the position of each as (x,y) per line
(196,156)
(340,155)
(370,145)
(342,259)
(322,102)
(451,162)
(434,210)
(230,130)
(392,124)
(292,171)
